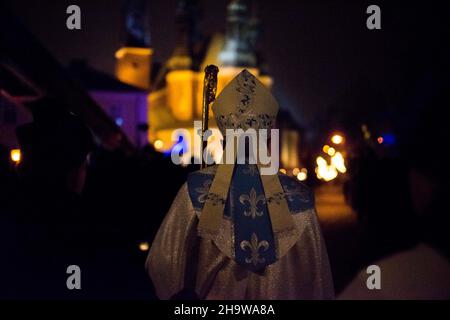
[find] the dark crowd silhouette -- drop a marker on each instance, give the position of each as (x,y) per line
(71,201)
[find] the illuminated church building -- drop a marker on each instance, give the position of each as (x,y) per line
(175,96)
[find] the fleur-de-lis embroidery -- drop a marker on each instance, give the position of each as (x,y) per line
(203,191)
(254,247)
(244,117)
(246,88)
(253,201)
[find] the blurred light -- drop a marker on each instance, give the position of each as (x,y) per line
(180,93)
(325,148)
(388,138)
(16,155)
(331,152)
(365,131)
(283,171)
(133,66)
(380,140)
(337,139)
(302,176)
(119,121)
(295,171)
(321,161)
(122,52)
(158,144)
(325,171)
(144,246)
(304,170)
(338,162)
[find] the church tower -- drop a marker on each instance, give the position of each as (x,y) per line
(238,50)
(134,59)
(182,78)
(177,101)
(185,54)
(239,47)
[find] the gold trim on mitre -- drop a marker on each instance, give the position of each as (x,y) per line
(246,103)
(212,212)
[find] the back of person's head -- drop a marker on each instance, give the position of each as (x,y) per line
(55,143)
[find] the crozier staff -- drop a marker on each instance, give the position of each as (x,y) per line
(209,95)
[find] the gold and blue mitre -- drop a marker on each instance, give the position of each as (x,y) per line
(245,103)
(247,215)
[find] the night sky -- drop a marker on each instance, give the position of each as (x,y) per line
(315,50)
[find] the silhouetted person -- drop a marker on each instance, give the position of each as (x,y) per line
(422,270)
(53,231)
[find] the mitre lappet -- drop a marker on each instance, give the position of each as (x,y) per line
(250,207)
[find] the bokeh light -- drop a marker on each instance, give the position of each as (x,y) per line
(158,144)
(337,139)
(331,151)
(144,246)
(302,176)
(16,155)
